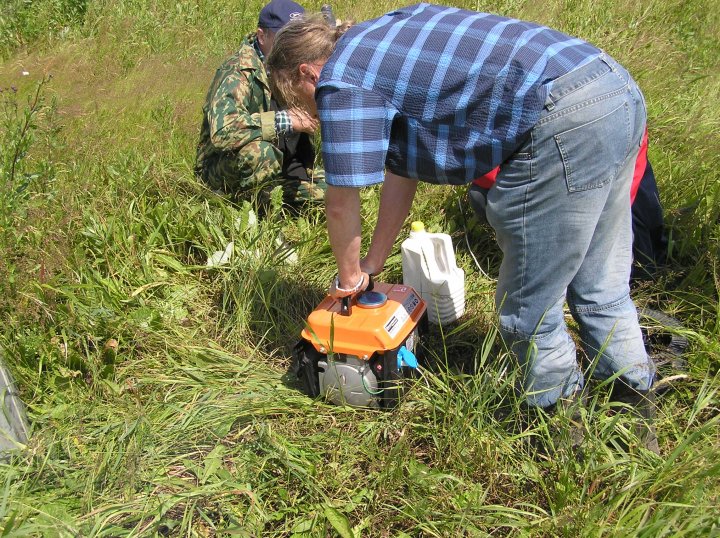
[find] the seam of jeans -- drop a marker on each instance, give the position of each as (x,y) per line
(628,125)
(532,152)
(529,337)
(641,99)
(580,84)
(524,224)
(578,106)
(624,76)
(632,149)
(523,256)
(591,309)
(586,70)
(568,169)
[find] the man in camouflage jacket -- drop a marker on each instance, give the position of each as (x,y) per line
(247,146)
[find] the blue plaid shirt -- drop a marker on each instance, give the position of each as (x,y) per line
(438,94)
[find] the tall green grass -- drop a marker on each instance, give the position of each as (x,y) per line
(156,385)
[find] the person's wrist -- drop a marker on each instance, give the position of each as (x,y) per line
(357,287)
(371,265)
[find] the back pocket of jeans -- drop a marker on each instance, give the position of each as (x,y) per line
(593,152)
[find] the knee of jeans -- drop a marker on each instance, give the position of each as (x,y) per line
(514,326)
(510,332)
(540,354)
(595,308)
(549,364)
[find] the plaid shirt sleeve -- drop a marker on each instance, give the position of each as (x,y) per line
(283,123)
(355,126)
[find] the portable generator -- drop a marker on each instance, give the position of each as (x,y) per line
(356,351)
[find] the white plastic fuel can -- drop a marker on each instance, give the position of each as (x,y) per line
(429,266)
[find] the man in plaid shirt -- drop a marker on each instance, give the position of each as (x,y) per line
(445,95)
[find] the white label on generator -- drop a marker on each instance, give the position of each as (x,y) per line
(396,321)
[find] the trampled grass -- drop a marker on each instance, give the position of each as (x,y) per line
(155,384)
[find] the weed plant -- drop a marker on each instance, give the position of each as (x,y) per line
(156,384)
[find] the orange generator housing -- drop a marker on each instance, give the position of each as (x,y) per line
(356,351)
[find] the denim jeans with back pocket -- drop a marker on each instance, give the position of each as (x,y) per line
(561,211)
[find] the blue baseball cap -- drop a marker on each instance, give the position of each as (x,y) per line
(278,13)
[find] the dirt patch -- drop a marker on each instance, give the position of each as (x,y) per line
(84,91)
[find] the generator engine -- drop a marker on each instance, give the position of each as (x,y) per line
(357,351)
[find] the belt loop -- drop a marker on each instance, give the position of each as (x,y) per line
(549,104)
(606,60)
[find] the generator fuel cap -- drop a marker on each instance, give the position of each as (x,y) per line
(371,299)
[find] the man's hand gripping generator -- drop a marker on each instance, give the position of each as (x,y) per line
(357,351)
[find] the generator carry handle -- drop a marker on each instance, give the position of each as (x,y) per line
(346,302)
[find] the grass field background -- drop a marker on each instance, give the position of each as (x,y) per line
(155,385)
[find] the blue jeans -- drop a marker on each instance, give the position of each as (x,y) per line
(561,210)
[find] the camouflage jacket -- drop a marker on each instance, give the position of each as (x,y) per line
(238,142)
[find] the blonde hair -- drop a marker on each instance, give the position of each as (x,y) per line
(307,40)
